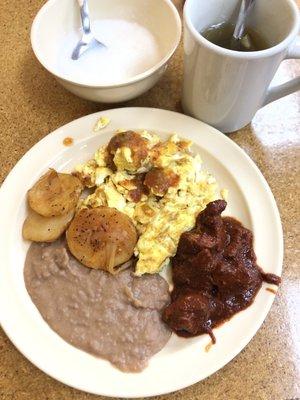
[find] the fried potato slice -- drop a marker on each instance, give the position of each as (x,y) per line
(45,229)
(54,194)
(102,238)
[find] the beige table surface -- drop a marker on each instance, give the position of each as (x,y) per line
(33,104)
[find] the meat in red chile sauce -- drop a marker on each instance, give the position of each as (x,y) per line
(214,272)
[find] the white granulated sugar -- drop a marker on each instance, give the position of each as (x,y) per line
(131,50)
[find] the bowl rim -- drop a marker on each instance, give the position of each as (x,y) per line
(136,78)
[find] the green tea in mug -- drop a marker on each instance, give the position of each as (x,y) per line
(221,35)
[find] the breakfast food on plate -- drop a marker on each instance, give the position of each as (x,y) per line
(116,317)
(54,194)
(149,201)
(215,273)
(45,229)
(160,185)
(101,238)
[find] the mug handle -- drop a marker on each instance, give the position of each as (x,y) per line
(289,87)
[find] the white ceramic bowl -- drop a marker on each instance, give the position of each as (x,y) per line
(59,17)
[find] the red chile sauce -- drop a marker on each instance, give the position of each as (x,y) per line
(157,179)
(215,274)
(130,139)
(160,180)
(68,141)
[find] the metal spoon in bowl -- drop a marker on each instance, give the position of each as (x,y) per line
(240,41)
(88,40)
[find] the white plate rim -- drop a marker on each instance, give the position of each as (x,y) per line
(150,115)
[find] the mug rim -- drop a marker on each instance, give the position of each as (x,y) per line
(284,44)
(136,78)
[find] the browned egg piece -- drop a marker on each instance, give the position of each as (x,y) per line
(139,190)
(55,194)
(101,238)
(45,229)
(158,180)
(134,141)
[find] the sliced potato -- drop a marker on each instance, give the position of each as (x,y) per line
(101,238)
(45,229)
(54,194)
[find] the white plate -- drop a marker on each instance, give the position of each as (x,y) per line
(183,361)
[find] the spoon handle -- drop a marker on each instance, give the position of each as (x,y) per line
(85,18)
(246,6)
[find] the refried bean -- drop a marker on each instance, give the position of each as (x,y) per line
(116,317)
(215,274)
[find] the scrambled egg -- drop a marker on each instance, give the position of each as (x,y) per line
(160,219)
(101,123)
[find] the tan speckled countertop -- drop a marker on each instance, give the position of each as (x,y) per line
(33,104)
